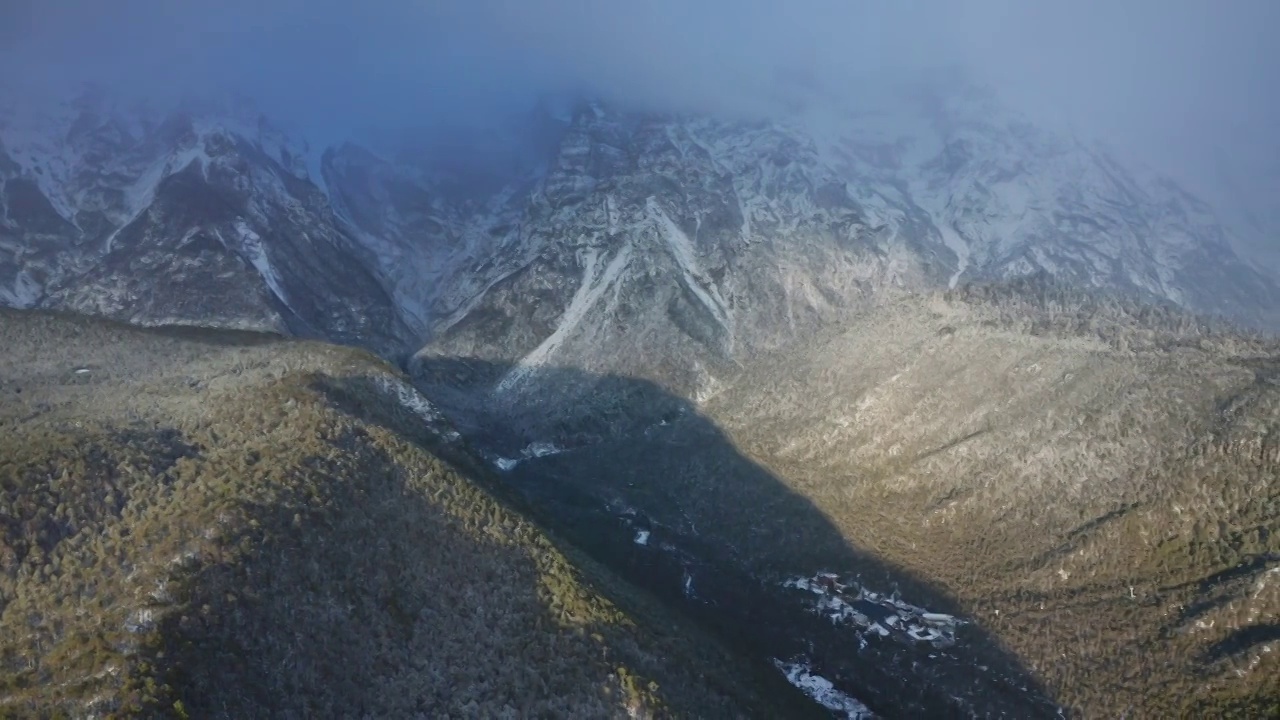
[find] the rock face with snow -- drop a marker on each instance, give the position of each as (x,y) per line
(658,246)
(185,220)
(1009,199)
(441,230)
(671,248)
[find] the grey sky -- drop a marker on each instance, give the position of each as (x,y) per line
(1174,82)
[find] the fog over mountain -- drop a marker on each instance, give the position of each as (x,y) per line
(1178,84)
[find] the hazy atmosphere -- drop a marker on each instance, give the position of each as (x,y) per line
(1171,80)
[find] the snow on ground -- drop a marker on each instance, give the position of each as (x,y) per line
(850,603)
(642,537)
(713,153)
(139,196)
(536,449)
(952,240)
(823,691)
(33,134)
(25,292)
(256,253)
(410,398)
(541,448)
(683,252)
(595,282)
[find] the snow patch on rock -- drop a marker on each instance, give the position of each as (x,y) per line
(848,603)
(255,252)
(683,252)
(534,449)
(25,292)
(411,399)
(823,691)
(596,280)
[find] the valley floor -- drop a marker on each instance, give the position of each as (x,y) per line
(1088,488)
(993,501)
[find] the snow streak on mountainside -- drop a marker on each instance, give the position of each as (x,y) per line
(666,247)
(609,240)
(1009,199)
(193,217)
(730,238)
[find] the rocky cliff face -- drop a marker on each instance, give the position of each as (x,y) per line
(622,242)
(663,247)
(186,220)
(1010,199)
(672,248)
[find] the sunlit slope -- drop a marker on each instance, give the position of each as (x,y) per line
(1098,484)
(230,525)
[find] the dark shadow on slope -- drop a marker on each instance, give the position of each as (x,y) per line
(640,480)
(362,592)
(1239,641)
(299,563)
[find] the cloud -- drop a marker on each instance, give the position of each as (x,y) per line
(1174,81)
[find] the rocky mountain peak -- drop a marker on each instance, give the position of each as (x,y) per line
(587,234)
(187,217)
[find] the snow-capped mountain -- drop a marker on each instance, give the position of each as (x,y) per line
(440,218)
(667,247)
(614,241)
(192,217)
(1008,198)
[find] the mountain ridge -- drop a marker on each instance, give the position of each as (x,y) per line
(819,212)
(222,523)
